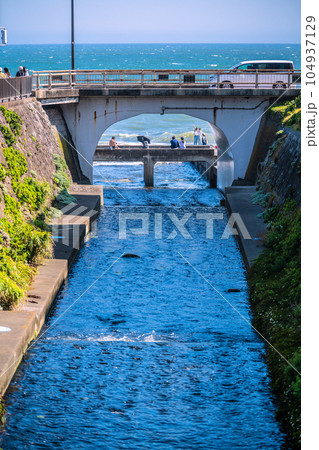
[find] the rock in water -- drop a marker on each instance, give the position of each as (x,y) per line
(233,290)
(130,255)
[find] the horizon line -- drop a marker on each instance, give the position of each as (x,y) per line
(159,43)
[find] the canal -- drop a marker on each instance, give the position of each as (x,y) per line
(149,351)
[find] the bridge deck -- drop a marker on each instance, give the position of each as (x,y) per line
(154,154)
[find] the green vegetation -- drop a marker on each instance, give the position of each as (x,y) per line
(3,173)
(17,164)
(290,113)
(24,239)
(61,177)
(8,135)
(274,283)
(2,415)
(275,297)
(63,183)
(12,119)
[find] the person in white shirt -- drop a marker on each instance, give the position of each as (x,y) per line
(196,142)
(182,143)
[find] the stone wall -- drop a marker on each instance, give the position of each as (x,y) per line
(279,174)
(38,142)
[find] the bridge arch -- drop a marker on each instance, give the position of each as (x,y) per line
(225,163)
(91,115)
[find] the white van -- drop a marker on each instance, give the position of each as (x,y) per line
(256,74)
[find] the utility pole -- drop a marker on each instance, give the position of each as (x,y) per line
(72,34)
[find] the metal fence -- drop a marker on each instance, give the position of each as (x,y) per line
(166,78)
(14,88)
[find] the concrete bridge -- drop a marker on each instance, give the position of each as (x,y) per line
(149,157)
(88,108)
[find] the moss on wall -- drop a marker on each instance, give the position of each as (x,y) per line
(26,199)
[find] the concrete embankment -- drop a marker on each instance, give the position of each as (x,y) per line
(239,201)
(25,323)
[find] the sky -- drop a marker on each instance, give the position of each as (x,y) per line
(148,21)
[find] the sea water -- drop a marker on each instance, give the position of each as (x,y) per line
(146,56)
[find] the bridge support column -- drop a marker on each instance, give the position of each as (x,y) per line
(211,174)
(148,172)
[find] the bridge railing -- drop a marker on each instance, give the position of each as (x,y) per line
(14,88)
(166,78)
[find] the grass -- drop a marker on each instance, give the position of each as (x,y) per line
(290,113)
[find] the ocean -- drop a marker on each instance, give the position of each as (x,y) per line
(146,56)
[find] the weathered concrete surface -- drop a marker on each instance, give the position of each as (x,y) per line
(70,154)
(87,194)
(71,219)
(269,125)
(238,200)
(62,94)
(26,323)
(234,114)
(151,156)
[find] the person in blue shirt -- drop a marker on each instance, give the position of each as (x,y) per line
(182,143)
(174,143)
(204,139)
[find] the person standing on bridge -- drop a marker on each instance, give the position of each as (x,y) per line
(2,75)
(200,135)
(113,144)
(196,136)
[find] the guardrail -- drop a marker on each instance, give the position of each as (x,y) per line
(165,78)
(14,88)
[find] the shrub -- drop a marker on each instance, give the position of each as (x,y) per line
(8,136)
(61,177)
(62,180)
(10,293)
(31,192)
(13,119)
(2,172)
(63,199)
(290,113)
(16,162)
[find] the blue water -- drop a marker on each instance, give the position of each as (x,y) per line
(149,355)
(147,56)
(143,56)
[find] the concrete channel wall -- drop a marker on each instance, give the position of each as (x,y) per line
(25,323)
